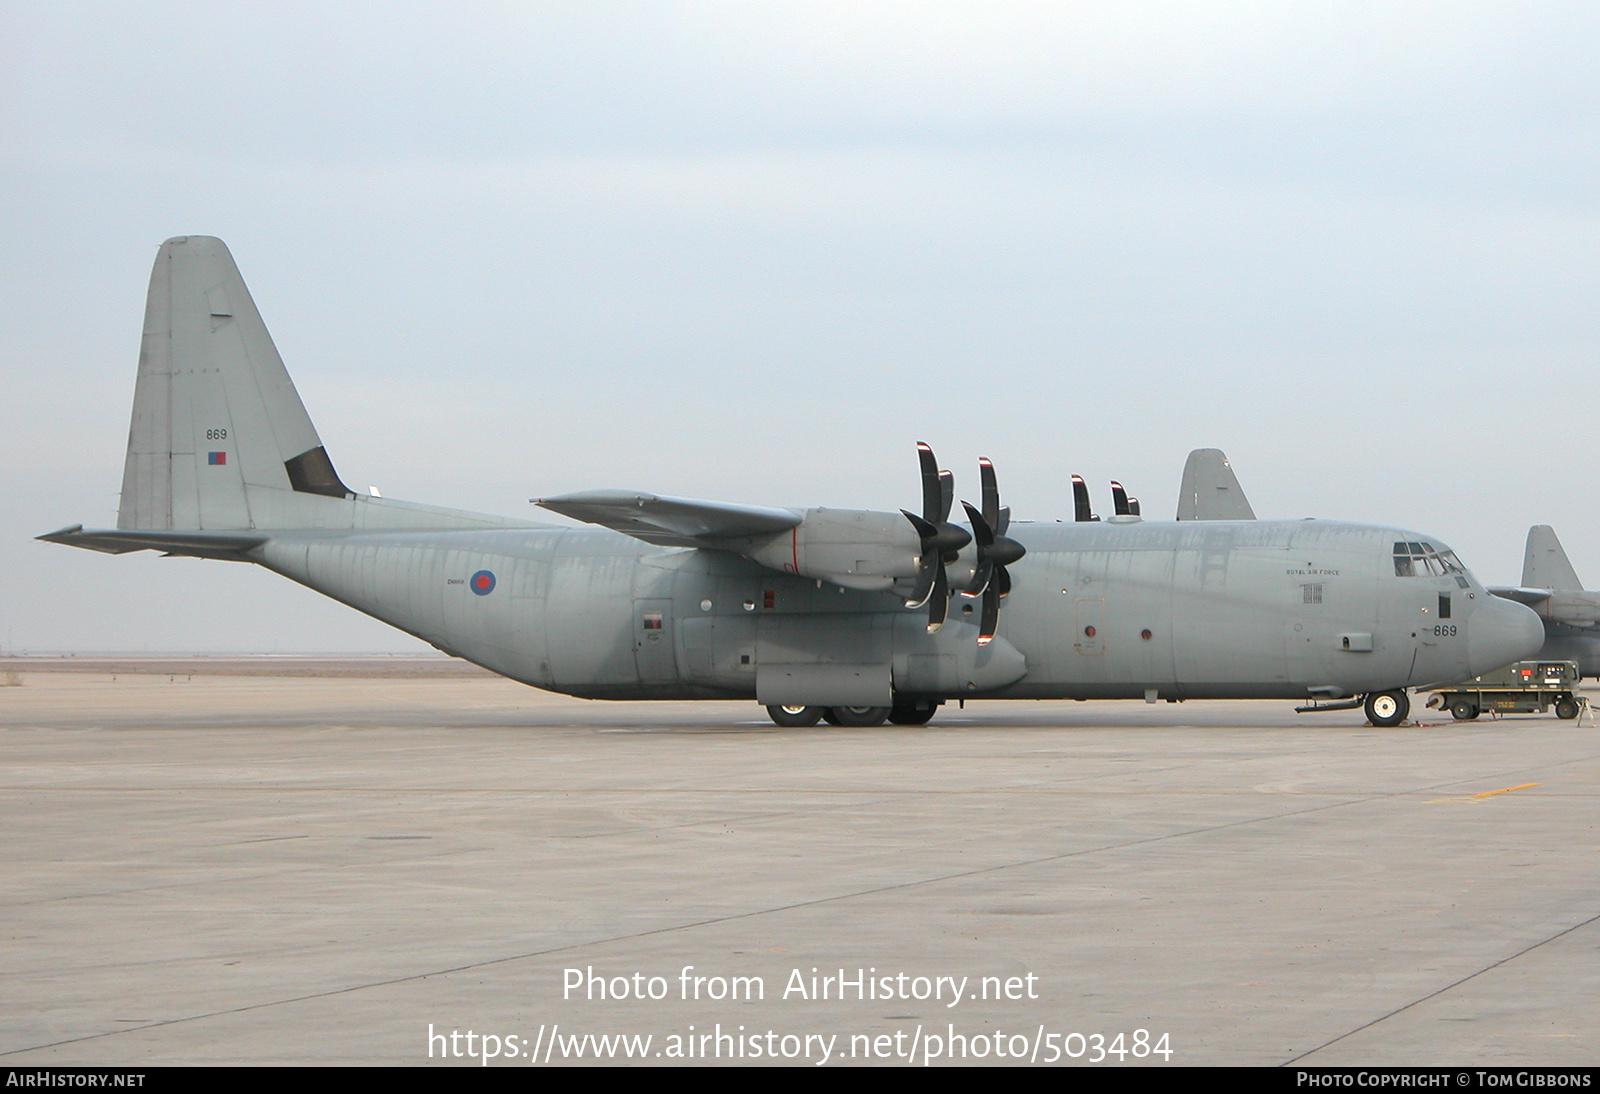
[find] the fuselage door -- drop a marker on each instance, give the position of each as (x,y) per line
(653,642)
(1091,623)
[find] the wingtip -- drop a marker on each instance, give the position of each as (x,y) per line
(60,533)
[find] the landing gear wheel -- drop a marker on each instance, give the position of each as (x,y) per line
(1463,710)
(1388,708)
(912,714)
(1566,709)
(795,717)
(831,716)
(860,716)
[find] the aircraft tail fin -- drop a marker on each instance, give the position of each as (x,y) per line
(220,441)
(218,427)
(1210,490)
(1544,562)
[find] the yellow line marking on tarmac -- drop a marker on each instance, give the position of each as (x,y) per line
(1503,790)
(1485,794)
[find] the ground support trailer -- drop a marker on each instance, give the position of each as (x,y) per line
(1527,687)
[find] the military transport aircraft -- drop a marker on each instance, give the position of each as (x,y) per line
(1550,586)
(853,616)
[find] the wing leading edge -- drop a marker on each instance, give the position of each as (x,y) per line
(670,522)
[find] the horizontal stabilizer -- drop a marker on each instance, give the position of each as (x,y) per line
(1573,607)
(669,522)
(1531,597)
(225,545)
(1210,491)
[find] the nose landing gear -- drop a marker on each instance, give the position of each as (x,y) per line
(1387,708)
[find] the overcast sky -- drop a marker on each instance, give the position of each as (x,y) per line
(754,252)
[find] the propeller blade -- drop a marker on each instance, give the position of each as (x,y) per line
(980,527)
(1080,500)
(923,589)
(930,484)
(1119,499)
(1133,506)
(939,602)
(991,492)
(990,621)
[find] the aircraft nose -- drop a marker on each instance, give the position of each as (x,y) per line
(1500,632)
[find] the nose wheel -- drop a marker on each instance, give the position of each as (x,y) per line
(1387,708)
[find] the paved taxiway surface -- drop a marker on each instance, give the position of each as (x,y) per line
(216,869)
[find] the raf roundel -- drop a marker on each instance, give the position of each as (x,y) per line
(482,583)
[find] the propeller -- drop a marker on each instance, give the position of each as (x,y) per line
(995,552)
(941,540)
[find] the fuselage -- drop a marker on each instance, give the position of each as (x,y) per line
(1134,609)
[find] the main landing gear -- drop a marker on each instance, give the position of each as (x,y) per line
(906,713)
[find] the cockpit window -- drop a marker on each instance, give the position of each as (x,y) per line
(1413,559)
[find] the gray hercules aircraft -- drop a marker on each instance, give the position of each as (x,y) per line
(1550,586)
(847,615)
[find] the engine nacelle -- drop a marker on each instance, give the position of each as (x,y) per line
(1574,608)
(856,548)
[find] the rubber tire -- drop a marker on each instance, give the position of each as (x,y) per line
(913,714)
(795,717)
(1464,710)
(1387,708)
(861,717)
(1566,709)
(831,716)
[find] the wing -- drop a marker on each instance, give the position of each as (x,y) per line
(670,522)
